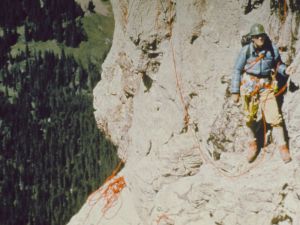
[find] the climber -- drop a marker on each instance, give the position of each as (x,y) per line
(253,80)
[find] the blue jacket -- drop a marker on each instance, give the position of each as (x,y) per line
(261,69)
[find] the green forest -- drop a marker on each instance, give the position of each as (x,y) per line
(52,155)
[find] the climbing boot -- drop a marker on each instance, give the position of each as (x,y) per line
(284,153)
(252,151)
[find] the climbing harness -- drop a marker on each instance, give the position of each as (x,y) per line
(251,85)
(110,191)
(206,158)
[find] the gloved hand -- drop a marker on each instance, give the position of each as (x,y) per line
(290,70)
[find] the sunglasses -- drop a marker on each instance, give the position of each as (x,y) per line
(258,36)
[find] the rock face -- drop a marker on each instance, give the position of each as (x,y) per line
(163,100)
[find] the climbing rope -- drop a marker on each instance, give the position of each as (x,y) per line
(205,158)
(166,218)
(257,162)
(178,85)
(108,193)
(178,77)
(223,172)
(282,8)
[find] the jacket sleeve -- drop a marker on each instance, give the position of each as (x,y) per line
(237,71)
(281,67)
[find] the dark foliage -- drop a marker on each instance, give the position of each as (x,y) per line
(278,6)
(44,20)
(91,6)
(252,4)
(52,154)
(9,38)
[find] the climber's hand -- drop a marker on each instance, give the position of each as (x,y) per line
(290,70)
(235,98)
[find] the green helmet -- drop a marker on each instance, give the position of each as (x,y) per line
(257,29)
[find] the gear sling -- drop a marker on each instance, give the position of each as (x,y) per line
(252,85)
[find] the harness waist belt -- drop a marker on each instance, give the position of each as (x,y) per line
(259,76)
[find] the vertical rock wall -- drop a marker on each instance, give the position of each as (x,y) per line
(163,100)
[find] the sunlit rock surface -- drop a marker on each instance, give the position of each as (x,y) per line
(163,100)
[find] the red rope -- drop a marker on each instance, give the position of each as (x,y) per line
(206,159)
(177,75)
(109,192)
(166,218)
(285,8)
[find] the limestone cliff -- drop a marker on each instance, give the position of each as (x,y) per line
(163,100)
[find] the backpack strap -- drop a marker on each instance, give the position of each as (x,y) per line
(270,48)
(272,52)
(256,60)
(248,52)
